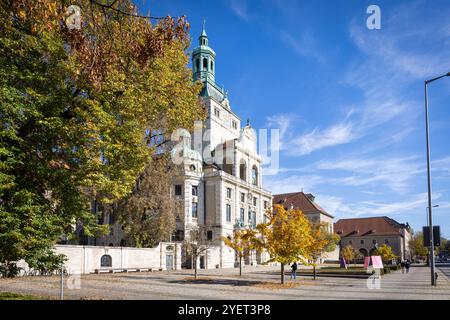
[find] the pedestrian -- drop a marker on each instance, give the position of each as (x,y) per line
(294,270)
(407,265)
(402,265)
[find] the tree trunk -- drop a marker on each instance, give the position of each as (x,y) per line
(314,268)
(240,266)
(195,267)
(282,273)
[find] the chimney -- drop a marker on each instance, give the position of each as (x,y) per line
(310,197)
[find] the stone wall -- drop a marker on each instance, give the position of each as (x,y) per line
(86,259)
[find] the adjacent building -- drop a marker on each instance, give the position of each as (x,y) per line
(366,234)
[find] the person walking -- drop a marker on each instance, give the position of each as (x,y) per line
(407,265)
(294,270)
(402,265)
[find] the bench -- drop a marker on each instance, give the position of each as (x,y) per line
(114,270)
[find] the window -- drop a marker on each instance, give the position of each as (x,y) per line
(243,170)
(255,176)
(212,66)
(249,217)
(242,197)
(254,201)
(106,261)
(229,193)
(350,242)
(265,204)
(205,64)
(386,241)
(178,190)
(362,241)
(197,65)
(228,213)
(112,219)
(242,216)
(194,209)
(374,241)
(195,190)
(216,112)
(234,124)
(209,235)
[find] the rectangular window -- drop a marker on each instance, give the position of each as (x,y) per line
(242,197)
(374,241)
(249,217)
(216,112)
(362,241)
(195,190)
(178,190)
(194,209)
(229,193)
(254,201)
(234,124)
(228,213)
(265,204)
(242,217)
(209,235)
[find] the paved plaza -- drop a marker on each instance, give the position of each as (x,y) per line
(257,283)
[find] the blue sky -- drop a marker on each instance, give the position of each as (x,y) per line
(348,100)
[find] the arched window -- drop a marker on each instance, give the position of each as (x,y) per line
(243,170)
(205,64)
(254,175)
(212,66)
(197,65)
(106,261)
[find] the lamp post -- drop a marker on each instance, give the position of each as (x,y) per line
(430,219)
(435,206)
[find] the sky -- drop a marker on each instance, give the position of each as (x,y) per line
(348,101)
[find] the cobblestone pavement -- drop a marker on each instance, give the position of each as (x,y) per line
(225,284)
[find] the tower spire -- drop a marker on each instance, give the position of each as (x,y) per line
(204,28)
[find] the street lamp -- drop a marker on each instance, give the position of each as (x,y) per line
(430,219)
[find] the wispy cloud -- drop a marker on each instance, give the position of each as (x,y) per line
(305,45)
(240,9)
(319,139)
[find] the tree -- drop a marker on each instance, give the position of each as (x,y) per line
(242,242)
(416,247)
(322,242)
(385,252)
(348,253)
(80,110)
(148,215)
(196,243)
(287,237)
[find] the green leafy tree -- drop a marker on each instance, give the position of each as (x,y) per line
(80,110)
(416,247)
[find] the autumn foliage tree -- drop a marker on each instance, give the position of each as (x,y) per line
(82,112)
(385,252)
(322,242)
(348,253)
(242,241)
(286,237)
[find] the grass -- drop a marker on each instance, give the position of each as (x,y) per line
(17,296)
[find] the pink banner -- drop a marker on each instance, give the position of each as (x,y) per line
(376,262)
(366,262)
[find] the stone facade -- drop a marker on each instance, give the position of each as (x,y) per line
(365,234)
(220,182)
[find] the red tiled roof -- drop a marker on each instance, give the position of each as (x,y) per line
(299,200)
(359,227)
